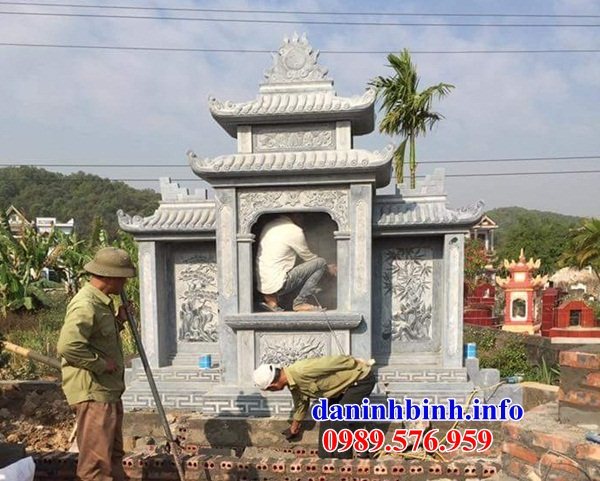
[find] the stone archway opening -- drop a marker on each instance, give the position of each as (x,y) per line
(319,230)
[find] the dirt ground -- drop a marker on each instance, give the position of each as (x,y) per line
(36,415)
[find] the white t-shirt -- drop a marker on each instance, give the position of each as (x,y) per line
(280,242)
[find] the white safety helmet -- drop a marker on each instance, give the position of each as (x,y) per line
(264,375)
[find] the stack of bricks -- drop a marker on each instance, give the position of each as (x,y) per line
(61,466)
(549,442)
(579,394)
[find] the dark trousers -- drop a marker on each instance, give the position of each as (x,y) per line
(353,395)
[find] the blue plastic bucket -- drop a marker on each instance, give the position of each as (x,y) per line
(470,350)
(205,361)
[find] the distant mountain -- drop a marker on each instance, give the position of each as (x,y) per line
(541,234)
(39,193)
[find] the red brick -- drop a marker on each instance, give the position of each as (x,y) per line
(581,360)
(556,441)
(521,452)
(588,452)
(593,379)
(580,398)
(513,430)
(514,468)
(558,463)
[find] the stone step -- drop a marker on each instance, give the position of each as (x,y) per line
(435,392)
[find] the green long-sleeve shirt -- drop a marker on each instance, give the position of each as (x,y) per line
(321,377)
(89,336)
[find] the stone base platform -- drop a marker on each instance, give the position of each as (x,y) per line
(539,447)
(194,389)
(180,387)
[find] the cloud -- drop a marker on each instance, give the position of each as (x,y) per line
(136,105)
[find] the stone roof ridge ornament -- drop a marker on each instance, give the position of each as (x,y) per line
(296,62)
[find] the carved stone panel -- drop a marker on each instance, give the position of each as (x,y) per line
(284,349)
(252,203)
(294,138)
(407,280)
(196,296)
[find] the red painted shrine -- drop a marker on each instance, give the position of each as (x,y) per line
(520,289)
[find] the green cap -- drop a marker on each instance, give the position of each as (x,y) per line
(111,262)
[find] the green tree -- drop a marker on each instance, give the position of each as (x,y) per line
(21,265)
(542,237)
(583,248)
(475,262)
(83,197)
(407,111)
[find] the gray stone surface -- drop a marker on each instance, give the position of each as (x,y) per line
(398,292)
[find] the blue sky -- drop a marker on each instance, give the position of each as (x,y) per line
(126,108)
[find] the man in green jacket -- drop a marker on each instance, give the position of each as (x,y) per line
(341,379)
(93,367)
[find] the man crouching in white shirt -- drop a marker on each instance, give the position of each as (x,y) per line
(281,241)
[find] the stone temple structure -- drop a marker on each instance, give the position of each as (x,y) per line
(399,289)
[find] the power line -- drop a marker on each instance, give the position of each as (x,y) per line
(453,161)
(300,22)
(483,174)
(478,174)
(299,12)
(262,51)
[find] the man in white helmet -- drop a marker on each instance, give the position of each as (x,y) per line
(341,379)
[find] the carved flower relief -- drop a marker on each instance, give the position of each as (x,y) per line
(407,280)
(290,141)
(284,351)
(252,204)
(197,312)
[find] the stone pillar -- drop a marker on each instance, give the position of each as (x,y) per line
(153,304)
(227,279)
(361,196)
(246,282)
(452,336)
(343,266)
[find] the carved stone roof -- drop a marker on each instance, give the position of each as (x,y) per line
(179,211)
(392,212)
(296,89)
(315,161)
(423,206)
(171,218)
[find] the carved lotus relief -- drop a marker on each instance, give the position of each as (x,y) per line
(283,351)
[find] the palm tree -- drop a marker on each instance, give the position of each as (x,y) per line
(407,111)
(584,247)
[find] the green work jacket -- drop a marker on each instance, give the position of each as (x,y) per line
(322,377)
(89,336)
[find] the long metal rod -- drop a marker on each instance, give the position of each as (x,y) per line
(174,448)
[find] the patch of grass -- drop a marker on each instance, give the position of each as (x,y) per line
(39,332)
(36,331)
(508,354)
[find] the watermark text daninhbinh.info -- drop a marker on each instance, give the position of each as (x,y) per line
(372,440)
